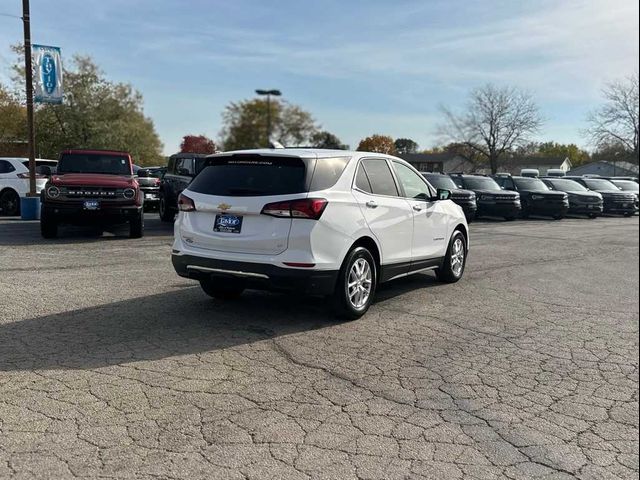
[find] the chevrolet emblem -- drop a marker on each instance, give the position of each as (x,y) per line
(224,207)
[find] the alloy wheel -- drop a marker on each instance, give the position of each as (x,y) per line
(359,283)
(457,257)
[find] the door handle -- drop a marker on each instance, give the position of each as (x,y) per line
(417,208)
(371,204)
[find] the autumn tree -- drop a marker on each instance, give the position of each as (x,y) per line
(13,117)
(496,120)
(245,124)
(405,145)
(328,140)
(377,143)
(616,122)
(197,144)
(575,154)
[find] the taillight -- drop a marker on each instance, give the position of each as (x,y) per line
(26,175)
(185,204)
(311,208)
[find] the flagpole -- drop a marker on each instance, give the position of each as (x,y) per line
(26,20)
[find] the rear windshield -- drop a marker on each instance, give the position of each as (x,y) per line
(94,163)
(251,176)
(480,183)
(441,181)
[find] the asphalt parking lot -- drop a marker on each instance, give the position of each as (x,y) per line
(112,366)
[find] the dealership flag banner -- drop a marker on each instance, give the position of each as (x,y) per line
(47,74)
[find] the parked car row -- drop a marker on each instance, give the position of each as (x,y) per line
(508,196)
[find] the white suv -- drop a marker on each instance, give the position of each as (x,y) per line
(321,222)
(14,181)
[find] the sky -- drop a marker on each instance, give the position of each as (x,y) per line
(359,66)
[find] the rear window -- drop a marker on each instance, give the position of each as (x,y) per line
(94,163)
(251,176)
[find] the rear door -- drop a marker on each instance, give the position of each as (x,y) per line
(388,215)
(230,194)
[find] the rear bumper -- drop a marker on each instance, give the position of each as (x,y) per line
(259,276)
(76,214)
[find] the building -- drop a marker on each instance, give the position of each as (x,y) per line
(515,165)
(606,168)
(439,162)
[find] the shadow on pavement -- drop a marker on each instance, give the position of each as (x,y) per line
(179,322)
(14,231)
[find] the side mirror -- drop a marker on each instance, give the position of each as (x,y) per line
(502,188)
(444,194)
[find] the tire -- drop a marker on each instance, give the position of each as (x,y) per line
(136,226)
(593,215)
(455,260)
(509,219)
(525,211)
(223,288)
(166,214)
(629,214)
(558,217)
(359,267)
(10,203)
(48,226)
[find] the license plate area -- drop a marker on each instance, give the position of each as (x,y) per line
(227,224)
(91,205)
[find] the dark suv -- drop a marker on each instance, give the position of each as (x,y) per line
(535,196)
(149,179)
(615,200)
(181,170)
(92,187)
(465,198)
(492,200)
(581,200)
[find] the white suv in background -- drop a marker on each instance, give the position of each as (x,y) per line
(14,181)
(319,222)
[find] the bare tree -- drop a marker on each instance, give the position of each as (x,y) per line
(616,122)
(496,121)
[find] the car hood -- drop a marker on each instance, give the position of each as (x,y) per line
(585,194)
(93,179)
(545,193)
(501,193)
(460,193)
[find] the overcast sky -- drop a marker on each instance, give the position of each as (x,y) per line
(360,66)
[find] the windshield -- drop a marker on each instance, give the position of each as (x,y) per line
(534,184)
(94,163)
(441,181)
(599,184)
(480,183)
(626,185)
(567,186)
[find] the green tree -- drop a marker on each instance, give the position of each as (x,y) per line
(405,145)
(377,143)
(326,139)
(95,113)
(572,151)
(245,124)
(13,117)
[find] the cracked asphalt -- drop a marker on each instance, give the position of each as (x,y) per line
(112,366)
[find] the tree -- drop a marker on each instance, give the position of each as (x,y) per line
(328,140)
(13,117)
(617,122)
(496,121)
(571,151)
(405,145)
(245,124)
(197,144)
(95,113)
(377,143)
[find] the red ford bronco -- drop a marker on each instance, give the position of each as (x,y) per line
(92,187)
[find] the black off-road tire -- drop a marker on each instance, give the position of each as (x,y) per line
(10,203)
(48,225)
(136,226)
(166,214)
